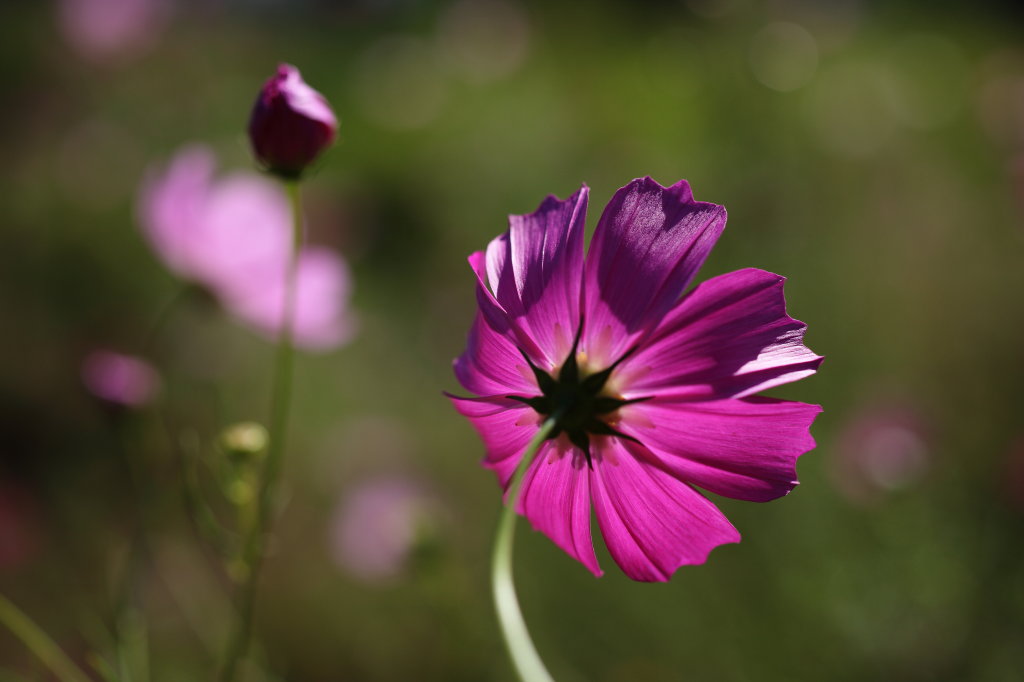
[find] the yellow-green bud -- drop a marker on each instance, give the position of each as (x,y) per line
(244,441)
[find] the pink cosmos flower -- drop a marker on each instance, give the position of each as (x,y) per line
(232,236)
(654,390)
(120,379)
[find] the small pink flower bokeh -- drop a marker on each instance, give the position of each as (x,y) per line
(120,379)
(884,447)
(377,526)
(104,30)
(232,235)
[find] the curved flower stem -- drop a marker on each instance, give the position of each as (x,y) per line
(513,628)
(253,548)
(39,643)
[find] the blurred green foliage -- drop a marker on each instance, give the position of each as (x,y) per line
(868,154)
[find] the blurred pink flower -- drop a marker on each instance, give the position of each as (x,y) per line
(378,525)
(884,447)
(232,236)
(320,321)
(106,29)
(120,379)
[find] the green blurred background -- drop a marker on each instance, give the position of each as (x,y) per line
(871,152)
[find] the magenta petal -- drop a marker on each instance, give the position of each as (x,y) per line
(496,316)
(505,426)
(556,499)
(499,276)
(652,522)
(492,364)
(744,449)
(729,337)
(535,272)
(648,245)
(489,306)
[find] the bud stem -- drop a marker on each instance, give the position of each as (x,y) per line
(253,552)
(524,654)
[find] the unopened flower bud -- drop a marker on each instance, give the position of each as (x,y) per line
(291,123)
(244,441)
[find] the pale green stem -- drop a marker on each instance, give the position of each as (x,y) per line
(253,550)
(517,638)
(39,643)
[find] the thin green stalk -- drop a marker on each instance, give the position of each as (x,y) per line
(253,550)
(163,316)
(39,643)
(189,450)
(140,489)
(517,638)
(125,592)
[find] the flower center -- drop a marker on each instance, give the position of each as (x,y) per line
(577,400)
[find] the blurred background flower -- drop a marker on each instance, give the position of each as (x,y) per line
(884,447)
(120,379)
(379,524)
(104,30)
(862,149)
(233,236)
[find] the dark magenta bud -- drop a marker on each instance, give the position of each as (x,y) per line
(291,123)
